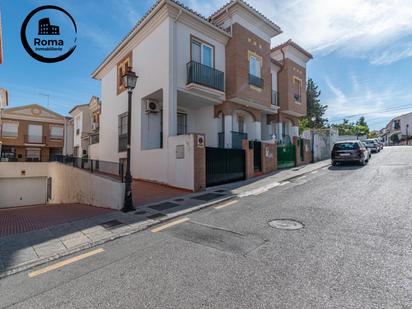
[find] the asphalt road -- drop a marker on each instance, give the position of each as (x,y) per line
(355,251)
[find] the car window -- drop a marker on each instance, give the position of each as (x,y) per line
(346,146)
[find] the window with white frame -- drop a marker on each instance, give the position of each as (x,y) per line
(10,129)
(35,133)
(255,66)
(202,52)
(56,132)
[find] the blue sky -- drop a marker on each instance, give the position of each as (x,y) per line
(362,49)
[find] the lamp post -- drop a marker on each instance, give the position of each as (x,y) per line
(129,82)
(407,137)
(313,138)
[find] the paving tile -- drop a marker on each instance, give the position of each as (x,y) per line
(99,235)
(19,257)
(76,241)
(49,248)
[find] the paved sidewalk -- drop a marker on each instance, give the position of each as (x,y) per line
(22,251)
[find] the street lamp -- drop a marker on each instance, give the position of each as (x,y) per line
(313,138)
(407,137)
(129,82)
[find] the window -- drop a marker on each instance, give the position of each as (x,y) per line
(255,66)
(122,67)
(35,133)
(122,142)
(77,125)
(8,152)
(10,129)
(241,124)
(56,132)
(202,52)
(181,123)
(297,89)
(123,124)
(33,154)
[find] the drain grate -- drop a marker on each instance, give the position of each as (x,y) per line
(111,224)
(140,212)
(163,206)
(156,216)
(220,191)
(286,224)
(179,200)
(207,197)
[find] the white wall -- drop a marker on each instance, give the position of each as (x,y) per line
(161,165)
(94,151)
(70,184)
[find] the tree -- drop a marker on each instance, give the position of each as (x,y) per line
(350,128)
(394,139)
(315,109)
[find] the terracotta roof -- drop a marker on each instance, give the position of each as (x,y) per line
(233,2)
(148,12)
(296,46)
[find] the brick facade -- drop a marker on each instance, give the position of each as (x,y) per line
(289,71)
(269,157)
(237,66)
(307,154)
(199,164)
(20,141)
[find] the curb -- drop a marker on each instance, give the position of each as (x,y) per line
(27,265)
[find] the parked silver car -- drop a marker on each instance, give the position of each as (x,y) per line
(368,149)
(372,145)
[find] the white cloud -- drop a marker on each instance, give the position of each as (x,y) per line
(356,28)
(377,105)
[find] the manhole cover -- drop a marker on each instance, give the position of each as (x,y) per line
(286,224)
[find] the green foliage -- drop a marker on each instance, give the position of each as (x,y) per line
(350,128)
(395,138)
(315,109)
(373,134)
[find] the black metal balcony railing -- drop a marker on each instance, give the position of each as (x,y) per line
(204,75)
(237,138)
(275,98)
(297,97)
(56,137)
(94,139)
(122,142)
(34,139)
(255,81)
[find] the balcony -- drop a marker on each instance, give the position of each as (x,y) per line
(255,81)
(94,139)
(35,139)
(122,142)
(275,98)
(204,75)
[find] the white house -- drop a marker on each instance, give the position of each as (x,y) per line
(202,82)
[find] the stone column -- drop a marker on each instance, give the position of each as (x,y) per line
(228,131)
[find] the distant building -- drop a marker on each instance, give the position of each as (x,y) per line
(400,126)
(45,28)
(31,133)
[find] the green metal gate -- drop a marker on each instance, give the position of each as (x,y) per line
(286,156)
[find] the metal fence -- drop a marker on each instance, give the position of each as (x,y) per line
(111,169)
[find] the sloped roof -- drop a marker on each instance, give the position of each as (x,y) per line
(249,8)
(140,24)
(294,45)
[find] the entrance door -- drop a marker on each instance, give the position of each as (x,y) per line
(257,156)
(22,191)
(224,165)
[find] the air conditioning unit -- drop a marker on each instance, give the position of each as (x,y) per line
(152,106)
